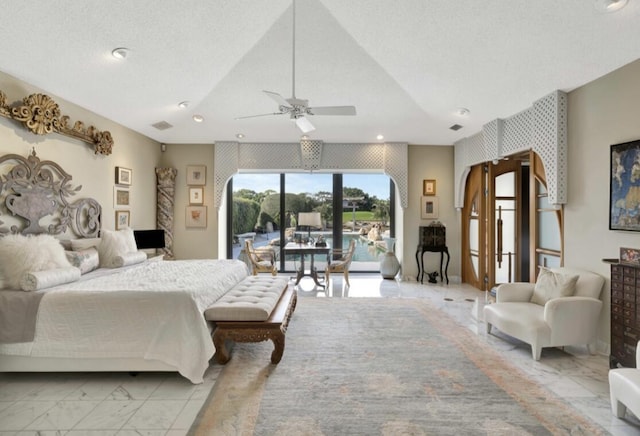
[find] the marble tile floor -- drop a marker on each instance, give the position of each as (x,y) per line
(104,404)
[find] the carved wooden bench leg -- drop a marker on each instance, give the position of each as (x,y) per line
(278,347)
(219,338)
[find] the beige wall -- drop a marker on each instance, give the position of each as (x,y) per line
(430,162)
(190,243)
(603,112)
(96,173)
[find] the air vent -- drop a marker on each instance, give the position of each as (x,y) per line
(162,125)
(456,127)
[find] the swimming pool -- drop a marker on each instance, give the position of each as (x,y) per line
(366,251)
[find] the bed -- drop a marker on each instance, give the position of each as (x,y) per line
(125,313)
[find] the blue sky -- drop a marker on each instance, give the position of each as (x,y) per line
(372,184)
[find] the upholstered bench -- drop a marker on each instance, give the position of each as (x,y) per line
(256,309)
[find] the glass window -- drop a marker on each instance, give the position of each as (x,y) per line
(365,213)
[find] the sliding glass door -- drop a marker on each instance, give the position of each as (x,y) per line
(267,208)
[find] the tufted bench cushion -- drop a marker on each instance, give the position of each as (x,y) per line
(253,299)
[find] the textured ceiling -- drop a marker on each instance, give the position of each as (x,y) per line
(406,65)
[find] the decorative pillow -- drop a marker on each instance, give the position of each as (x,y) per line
(129,259)
(87,260)
(114,244)
(31,253)
(66,244)
(83,244)
(551,285)
(36,280)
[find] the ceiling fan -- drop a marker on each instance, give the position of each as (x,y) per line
(297,108)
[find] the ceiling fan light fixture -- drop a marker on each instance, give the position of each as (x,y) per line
(610,5)
(304,125)
(120,53)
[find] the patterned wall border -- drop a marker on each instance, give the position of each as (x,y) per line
(389,158)
(543,128)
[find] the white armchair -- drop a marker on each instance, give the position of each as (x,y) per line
(565,320)
(624,387)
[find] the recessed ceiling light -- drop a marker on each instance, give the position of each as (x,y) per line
(304,137)
(198,118)
(462,112)
(239,136)
(120,52)
(183,104)
(380,137)
(610,5)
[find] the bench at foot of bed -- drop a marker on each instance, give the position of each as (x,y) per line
(257,309)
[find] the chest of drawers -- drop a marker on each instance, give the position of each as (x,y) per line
(625,315)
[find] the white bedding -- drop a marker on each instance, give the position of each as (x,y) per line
(152,310)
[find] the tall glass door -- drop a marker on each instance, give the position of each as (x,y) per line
(268,208)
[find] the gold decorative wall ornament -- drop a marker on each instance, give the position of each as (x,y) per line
(41,115)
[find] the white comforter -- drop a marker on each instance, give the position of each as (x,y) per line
(153,310)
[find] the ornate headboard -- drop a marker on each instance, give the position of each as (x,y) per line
(32,189)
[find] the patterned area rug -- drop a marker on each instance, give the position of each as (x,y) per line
(380,367)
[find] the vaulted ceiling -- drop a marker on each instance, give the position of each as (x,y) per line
(406,65)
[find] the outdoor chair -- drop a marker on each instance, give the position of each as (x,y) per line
(342,261)
(261,259)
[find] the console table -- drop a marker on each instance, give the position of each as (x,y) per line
(432,249)
(433,239)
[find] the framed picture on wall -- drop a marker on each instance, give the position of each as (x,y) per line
(429,208)
(196,217)
(123,219)
(196,174)
(121,197)
(428,187)
(196,195)
(624,194)
(123,176)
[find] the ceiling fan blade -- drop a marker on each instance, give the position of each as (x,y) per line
(261,115)
(304,124)
(332,110)
(278,98)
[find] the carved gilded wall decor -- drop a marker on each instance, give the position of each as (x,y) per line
(166,182)
(41,115)
(33,189)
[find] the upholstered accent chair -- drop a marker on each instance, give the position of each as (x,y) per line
(624,387)
(561,308)
(341,261)
(262,259)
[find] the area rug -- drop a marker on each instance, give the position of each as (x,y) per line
(380,367)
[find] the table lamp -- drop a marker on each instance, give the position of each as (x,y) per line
(308,220)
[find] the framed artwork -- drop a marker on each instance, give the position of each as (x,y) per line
(120,197)
(630,256)
(196,174)
(123,176)
(429,208)
(196,195)
(123,219)
(428,187)
(196,217)
(624,194)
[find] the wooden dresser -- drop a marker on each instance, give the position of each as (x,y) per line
(625,315)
